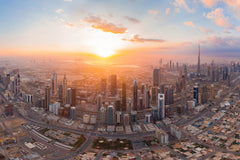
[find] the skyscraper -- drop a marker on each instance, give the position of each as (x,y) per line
(102,116)
(212,72)
(73,113)
(118,105)
(147,98)
(110,115)
(64,89)
(154,95)
(69,96)
(113,84)
(204,94)
(124,96)
(198,67)
(156,77)
(103,86)
(168,92)
(47,98)
(129,105)
(135,94)
(99,101)
(54,83)
(60,92)
(16,84)
(161,106)
(73,96)
(196,94)
(141,102)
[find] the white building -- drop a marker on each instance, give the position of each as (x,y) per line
(29,98)
(148,117)
(161,106)
(86,118)
(56,107)
(175,131)
(93,119)
(162,136)
(50,108)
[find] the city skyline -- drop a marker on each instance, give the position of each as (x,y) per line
(119,79)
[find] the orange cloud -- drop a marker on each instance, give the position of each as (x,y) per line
(219,18)
(189,24)
(209,3)
(205,30)
(110,27)
(137,38)
(183,4)
(70,25)
(105,26)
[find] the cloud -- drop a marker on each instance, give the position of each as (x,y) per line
(219,18)
(182,4)
(67,0)
(168,11)
(70,25)
(153,12)
(133,20)
(233,4)
(205,30)
(238,28)
(105,26)
(229,41)
(189,24)
(92,19)
(137,38)
(226,31)
(110,27)
(209,3)
(59,11)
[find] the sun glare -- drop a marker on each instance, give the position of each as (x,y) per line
(104,44)
(104,52)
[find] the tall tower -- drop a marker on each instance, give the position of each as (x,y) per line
(54,83)
(156,77)
(198,67)
(102,116)
(124,99)
(69,96)
(161,106)
(135,94)
(196,94)
(110,115)
(73,96)
(60,92)
(47,98)
(113,84)
(64,89)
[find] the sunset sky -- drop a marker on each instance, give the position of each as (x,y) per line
(105,27)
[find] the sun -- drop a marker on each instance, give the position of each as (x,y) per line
(104,44)
(104,52)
